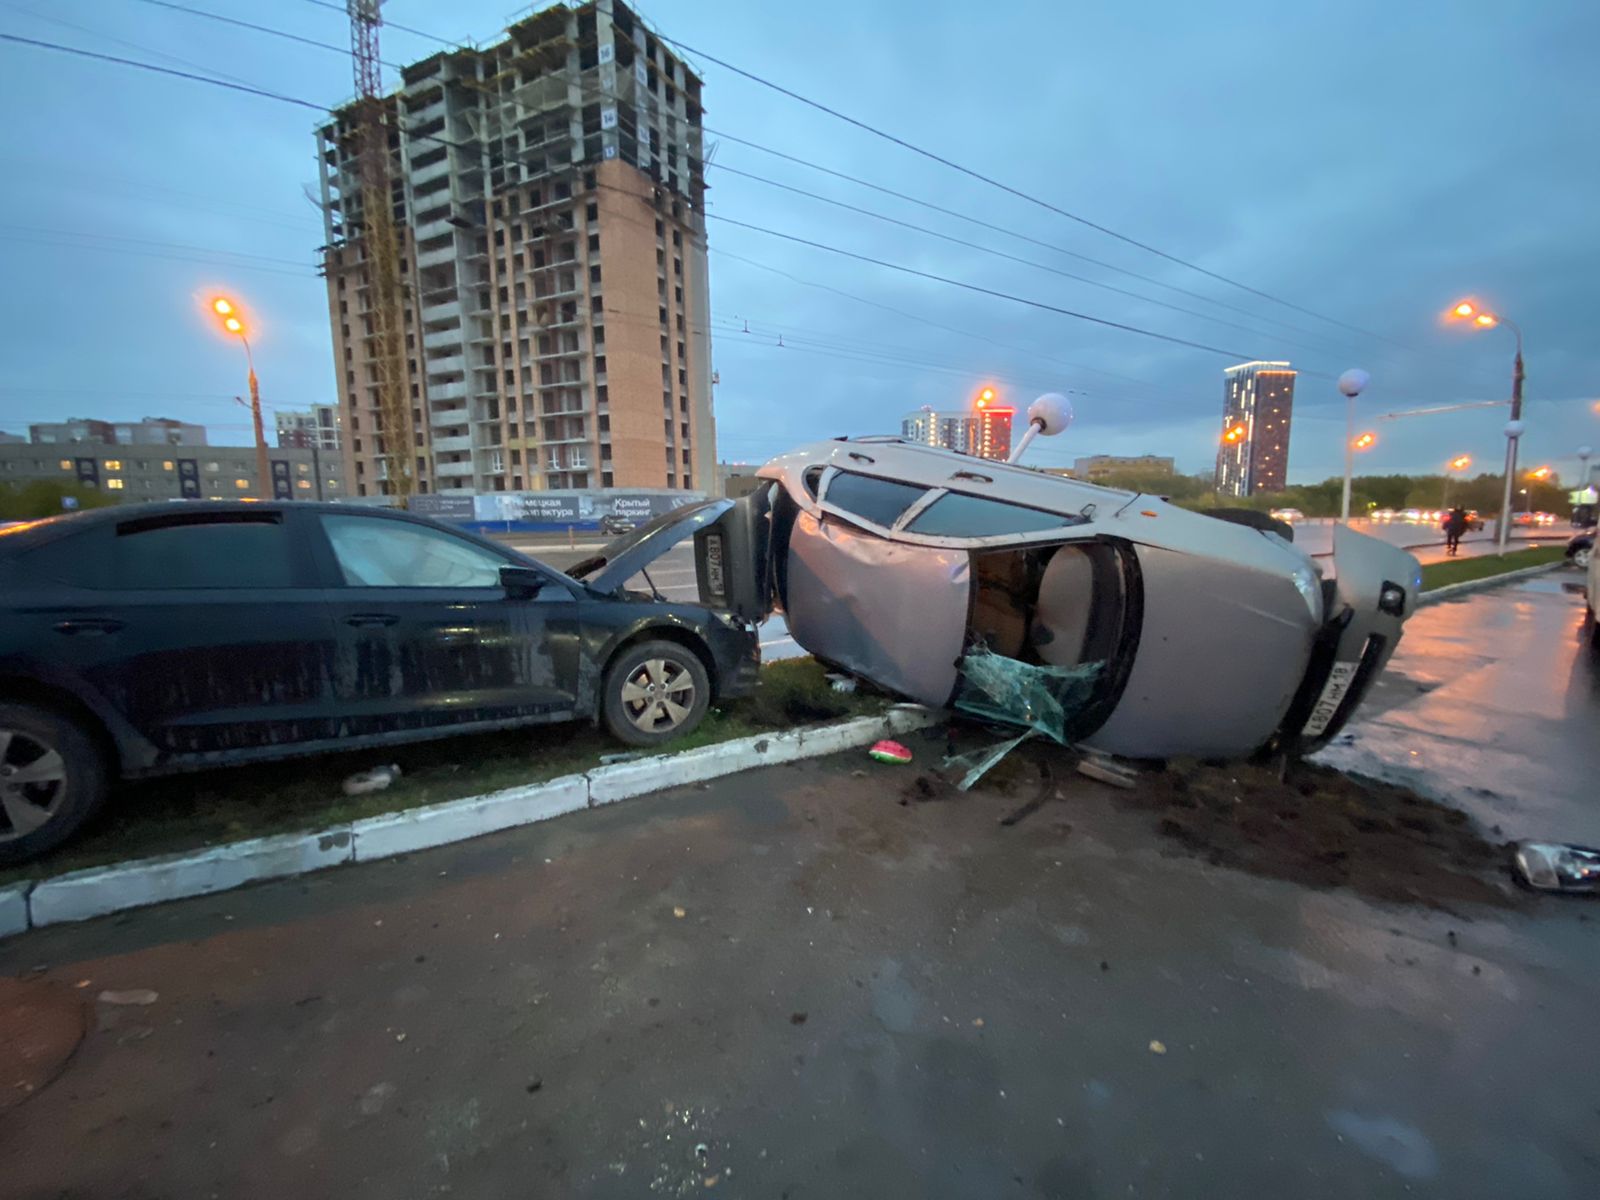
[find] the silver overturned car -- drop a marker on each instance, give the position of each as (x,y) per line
(1104,618)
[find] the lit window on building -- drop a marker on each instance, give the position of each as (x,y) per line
(113,464)
(241,484)
(66,464)
(114,484)
(166,465)
(303,483)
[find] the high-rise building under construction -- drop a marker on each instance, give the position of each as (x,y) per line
(548,195)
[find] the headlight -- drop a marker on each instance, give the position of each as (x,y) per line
(1392,599)
(1310,588)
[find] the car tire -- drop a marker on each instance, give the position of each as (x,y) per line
(1581,556)
(53,778)
(655,691)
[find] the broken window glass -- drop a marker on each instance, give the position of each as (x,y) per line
(1041,698)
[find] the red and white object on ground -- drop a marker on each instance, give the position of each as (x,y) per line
(887,751)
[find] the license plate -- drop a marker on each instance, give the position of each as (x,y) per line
(1333,694)
(714,577)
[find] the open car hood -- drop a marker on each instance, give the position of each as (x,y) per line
(633,552)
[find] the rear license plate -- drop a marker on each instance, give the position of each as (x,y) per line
(1333,694)
(714,577)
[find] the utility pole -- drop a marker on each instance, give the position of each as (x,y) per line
(1513,433)
(380,251)
(262,470)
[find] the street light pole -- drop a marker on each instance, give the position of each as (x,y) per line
(1502,532)
(255,417)
(1350,383)
(232,321)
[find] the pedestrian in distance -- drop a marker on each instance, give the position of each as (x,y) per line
(1455,524)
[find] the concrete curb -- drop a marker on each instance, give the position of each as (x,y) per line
(98,891)
(13,909)
(1451,591)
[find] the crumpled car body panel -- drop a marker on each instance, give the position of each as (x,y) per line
(894,614)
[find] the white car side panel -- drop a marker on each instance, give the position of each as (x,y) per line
(895,614)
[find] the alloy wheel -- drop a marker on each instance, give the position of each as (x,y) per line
(1581,557)
(33,783)
(658,696)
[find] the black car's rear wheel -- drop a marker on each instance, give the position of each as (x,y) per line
(52,779)
(655,691)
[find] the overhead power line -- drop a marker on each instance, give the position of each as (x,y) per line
(973,287)
(144,66)
(387,24)
(1017,192)
(278,33)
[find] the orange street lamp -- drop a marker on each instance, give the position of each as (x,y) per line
(1540,473)
(1466,310)
(985,397)
(1233,434)
(233,323)
(1366,441)
(1461,462)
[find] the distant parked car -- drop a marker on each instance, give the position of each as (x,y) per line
(1474,521)
(1383,514)
(152,638)
(1580,547)
(1287,514)
(613,525)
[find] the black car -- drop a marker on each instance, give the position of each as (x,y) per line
(152,638)
(613,525)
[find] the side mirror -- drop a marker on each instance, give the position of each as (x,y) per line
(521,583)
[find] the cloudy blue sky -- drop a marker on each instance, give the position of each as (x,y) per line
(1366,161)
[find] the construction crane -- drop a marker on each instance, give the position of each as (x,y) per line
(380,252)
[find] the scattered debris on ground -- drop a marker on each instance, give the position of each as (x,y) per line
(1326,829)
(1558,867)
(888,751)
(375,780)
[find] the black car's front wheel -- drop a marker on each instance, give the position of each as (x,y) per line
(53,778)
(655,691)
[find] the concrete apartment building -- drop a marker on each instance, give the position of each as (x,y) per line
(151,431)
(130,473)
(1101,466)
(315,426)
(984,431)
(548,193)
(1257,403)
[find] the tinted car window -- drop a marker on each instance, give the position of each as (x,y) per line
(374,552)
(78,561)
(229,553)
(880,501)
(956,515)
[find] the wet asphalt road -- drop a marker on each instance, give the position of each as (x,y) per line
(1492,702)
(785,984)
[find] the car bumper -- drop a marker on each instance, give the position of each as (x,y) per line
(738,655)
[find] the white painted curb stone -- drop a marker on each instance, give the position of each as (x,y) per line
(98,891)
(458,820)
(14,909)
(623,781)
(101,890)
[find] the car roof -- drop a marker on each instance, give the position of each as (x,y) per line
(29,533)
(934,467)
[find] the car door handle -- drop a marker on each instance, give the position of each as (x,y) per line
(88,626)
(369,620)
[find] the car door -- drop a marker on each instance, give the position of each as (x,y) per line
(203,629)
(428,635)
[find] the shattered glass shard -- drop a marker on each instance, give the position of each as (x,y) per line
(1039,698)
